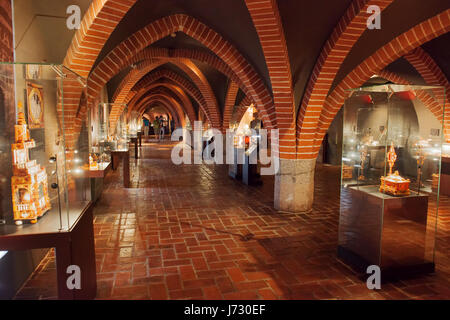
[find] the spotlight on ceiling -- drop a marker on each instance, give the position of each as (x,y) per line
(173,34)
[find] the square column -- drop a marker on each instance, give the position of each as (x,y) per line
(294,185)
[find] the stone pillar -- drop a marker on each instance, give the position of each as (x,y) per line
(294,185)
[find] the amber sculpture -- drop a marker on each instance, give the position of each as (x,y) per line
(29,181)
(347,172)
(363,157)
(393,183)
(93,162)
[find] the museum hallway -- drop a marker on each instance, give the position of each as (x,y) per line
(191,232)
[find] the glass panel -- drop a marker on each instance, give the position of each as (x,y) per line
(134,124)
(113,126)
(76,138)
(392,143)
(100,157)
(38,182)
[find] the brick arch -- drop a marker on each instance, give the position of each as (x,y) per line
(230,102)
(244,103)
(185,106)
(196,75)
(203,85)
(174,116)
(98,23)
(191,54)
(168,101)
(172,76)
(430,72)
(401,45)
(133,78)
(162,28)
(177,80)
(122,93)
(428,100)
(267,22)
(179,119)
(159,88)
(433,75)
(346,33)
(186,103)
(151,118)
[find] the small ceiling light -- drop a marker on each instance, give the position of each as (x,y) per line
(173,34)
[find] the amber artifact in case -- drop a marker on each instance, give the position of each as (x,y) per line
(394,184)
(44,180)
(29,181)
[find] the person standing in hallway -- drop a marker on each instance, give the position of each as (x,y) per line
(146,127)
(156,127)
(161,128)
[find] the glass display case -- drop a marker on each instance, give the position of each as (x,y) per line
(134,124)
(391,162)
(445,170)
(118,129)
(43,148)
(100,156)
(109,133)
(241,124)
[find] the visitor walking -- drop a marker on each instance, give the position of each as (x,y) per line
(146,127)
(161,128)
(156,127)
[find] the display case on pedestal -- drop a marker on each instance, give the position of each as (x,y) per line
(391,164)
(245,128)
(45,198)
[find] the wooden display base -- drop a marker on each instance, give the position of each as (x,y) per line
(103,168)
(135,141)
(74,246)
(140,138)
(116,156)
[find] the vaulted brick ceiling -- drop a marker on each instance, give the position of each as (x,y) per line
(307,25)
(279,40)
(230,18)
(398,18)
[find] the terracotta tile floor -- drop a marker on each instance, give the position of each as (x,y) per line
(190,232)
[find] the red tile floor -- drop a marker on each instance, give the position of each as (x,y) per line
(190,232)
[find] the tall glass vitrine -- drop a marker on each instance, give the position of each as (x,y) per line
(44,146)
(391,165)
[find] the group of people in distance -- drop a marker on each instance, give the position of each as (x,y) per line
(159,127)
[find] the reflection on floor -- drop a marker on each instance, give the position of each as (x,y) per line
(190,232)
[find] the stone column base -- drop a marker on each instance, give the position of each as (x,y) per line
(294,185)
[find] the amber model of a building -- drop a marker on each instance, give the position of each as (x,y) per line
(393,183)
(29,182)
